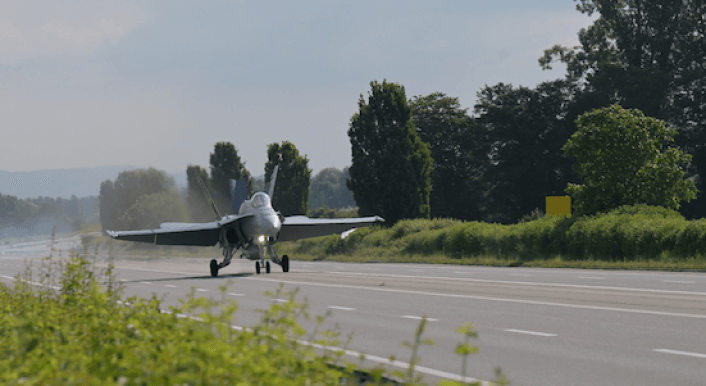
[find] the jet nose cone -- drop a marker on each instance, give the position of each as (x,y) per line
(273,225)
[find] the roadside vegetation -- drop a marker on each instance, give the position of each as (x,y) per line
(71,326)
(630,237)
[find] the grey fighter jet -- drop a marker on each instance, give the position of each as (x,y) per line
(251,233)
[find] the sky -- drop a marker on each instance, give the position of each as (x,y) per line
(158,83)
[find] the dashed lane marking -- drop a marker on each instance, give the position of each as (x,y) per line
(493,299)
(202,290)
(234,294)
(535,333)
(679,281)
(342,308)
(170,285)
(419,318)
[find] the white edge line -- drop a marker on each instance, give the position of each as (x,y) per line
(522,283)
(372,358)
(488,298)
(530,332)
(677,352)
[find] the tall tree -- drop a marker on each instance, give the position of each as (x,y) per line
(199,207)
(646,55)
(328,187)
(226,164)
(526,129)
(623,159)
(391,167)
(291,195)
(116,197)
(459,149)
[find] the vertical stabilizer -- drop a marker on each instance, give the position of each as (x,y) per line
(238,193)
(271,189)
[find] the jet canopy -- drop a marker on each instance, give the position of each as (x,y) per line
(260,199)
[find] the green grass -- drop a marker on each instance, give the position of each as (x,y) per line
(630,237)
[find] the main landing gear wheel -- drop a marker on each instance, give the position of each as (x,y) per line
(285,263)
(257,267)
(267,266)
(214,268)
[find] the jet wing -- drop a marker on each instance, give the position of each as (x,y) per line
(301,227)
(198,234)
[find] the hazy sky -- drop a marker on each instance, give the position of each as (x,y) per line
(158,83)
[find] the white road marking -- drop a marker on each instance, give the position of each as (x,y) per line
(170,286)
(202,290)
(342,308)
(591,277)
(372,358)
(419,318)
(122,279)
(400,364)
(280,300)
(461,272)
(678,281)
(488,298)
(234,294)
(529,332)
(521,274)
(530,283)
(145,282)
(677,352)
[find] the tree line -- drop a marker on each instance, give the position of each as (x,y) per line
(38,216)
(640,61)
(499,162)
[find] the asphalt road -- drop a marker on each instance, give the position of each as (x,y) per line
(541,326)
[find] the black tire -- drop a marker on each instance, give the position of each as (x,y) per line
(285,263)
(214,268)
(257,267)
(267,266)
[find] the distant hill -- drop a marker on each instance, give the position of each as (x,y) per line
(64,182)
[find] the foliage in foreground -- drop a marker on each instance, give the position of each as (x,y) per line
(626,234)
(66,328)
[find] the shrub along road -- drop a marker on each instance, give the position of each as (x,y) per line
(542,326)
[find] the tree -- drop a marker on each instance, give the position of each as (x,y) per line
(152,209)
(623,159)
(199,207)
(291,195)
(646,55)
(459,149)
(226,164)
(118,196)
(328,188)
(391,166)
(526,129)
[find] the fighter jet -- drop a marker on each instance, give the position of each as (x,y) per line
(251,233)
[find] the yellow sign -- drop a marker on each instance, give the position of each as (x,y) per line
(558,205)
